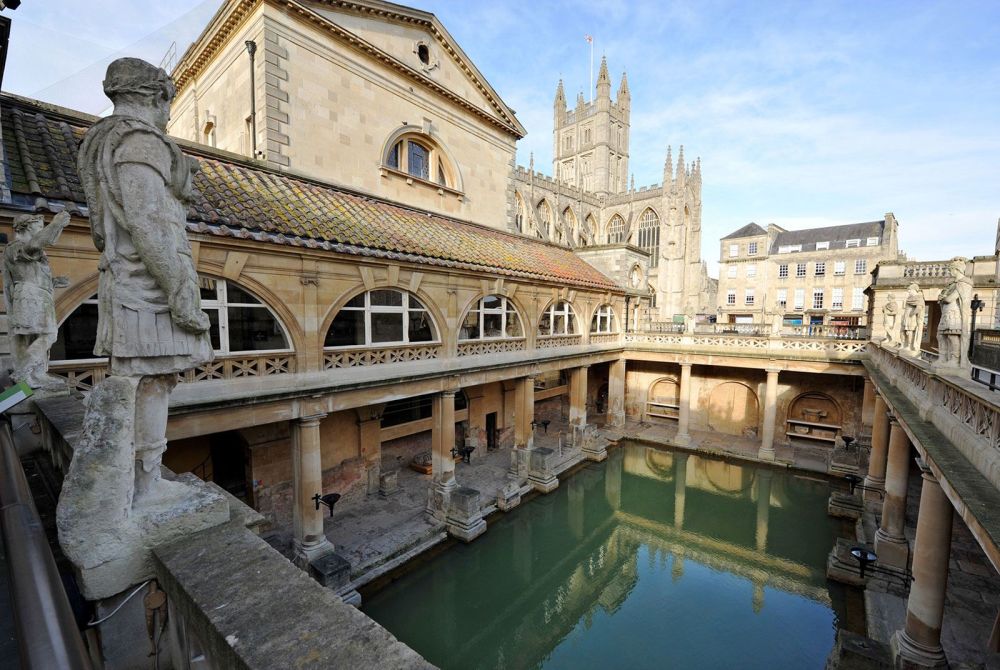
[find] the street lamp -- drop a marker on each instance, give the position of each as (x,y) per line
(977,306)
(252,50)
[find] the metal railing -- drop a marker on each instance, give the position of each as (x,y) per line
(47,635)
(762,330)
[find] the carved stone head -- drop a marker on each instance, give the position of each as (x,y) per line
(132,82)
(26,225)
(957,266)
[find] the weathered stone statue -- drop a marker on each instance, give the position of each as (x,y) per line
(777,320)
(913,319)
(31,310)
(953,328)
(889,312)
(690,317)
(115,504)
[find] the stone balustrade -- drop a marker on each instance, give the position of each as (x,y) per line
(361,357)
(481,347)
(558,341)
(753,345)
(85,375)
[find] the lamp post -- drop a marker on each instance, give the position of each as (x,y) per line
(252,50)
(977,306)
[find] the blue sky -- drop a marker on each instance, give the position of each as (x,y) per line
(802,113)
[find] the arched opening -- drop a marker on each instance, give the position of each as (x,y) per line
(381,317)
(649,235)
(520,213)
(557,319)
(616,230)
(492,317)
(587,232)
(544,220)
(814,416)
(733,410)
(603,321)
(571,230)
(663,399)
(418,155)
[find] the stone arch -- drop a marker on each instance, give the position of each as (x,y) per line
(665,389)
(518,308)
(615,230)
(815,407)
(74,296)
(733,409)
(439,151)
(546,218)
(437,316)
(522,221)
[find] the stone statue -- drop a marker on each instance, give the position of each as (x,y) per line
(777,320)
(138,185)
(31,310)
(889,312)
(913,319)
(115,505)
(690,317)
(953,328)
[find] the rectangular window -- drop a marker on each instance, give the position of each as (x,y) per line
(782,298)
(789,248)
(817,298)
(751,271)
(820,246)
(820,269)
(731,271)
(860,266)
(800,298)
(853,243)
(734,250)
(752,249)
(783,271)
(858,299)
(749,296)
(837,301)
(871,242)
(800,270)
(839,268)
(731,297)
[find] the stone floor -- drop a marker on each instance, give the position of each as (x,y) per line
(971,600)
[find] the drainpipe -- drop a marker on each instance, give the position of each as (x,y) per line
(252,49)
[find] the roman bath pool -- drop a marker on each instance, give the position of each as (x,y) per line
(652,559)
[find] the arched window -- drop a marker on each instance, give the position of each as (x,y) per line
(492,317)
(616,230)
(557,319)
(419,156)
(649,235)
(519,213)
(544,220)
(383,316)
(570,227)
(587,232)
(240,323)
(603,321)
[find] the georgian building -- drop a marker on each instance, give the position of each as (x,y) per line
(813,277)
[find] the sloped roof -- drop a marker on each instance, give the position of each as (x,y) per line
(837,236)
(748,230)
(243,200)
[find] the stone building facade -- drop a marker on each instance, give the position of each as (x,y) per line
(590,202)
(813,277)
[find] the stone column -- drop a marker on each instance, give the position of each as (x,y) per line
(890,542)
(766,451)
(880,449)
(616,394)
(442,460)
(683,437)
(370,437)
(680,488)
(524,413)
(868,407)
(763,508)
(919,643)
(309,541)
(578,396)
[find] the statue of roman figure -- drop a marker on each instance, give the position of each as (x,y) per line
(31,310)
(889,312)
(138,186)
(913,319)
(953,328)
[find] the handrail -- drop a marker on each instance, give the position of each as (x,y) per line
(47,635)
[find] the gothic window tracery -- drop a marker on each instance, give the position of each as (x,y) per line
(616,230)
(544,220)
(649,236)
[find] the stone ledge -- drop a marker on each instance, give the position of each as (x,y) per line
(251,608)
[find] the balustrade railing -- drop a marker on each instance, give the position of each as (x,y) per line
(930,270)
(353,358)
(480,347)
(85,375)
(604,338)
(558,341)
(794,346)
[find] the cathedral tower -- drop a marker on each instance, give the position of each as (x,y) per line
(591,141)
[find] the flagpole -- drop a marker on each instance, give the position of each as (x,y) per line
(591,40)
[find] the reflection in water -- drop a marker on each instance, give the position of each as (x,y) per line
(651,559)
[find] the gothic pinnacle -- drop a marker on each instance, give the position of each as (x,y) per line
(603,76)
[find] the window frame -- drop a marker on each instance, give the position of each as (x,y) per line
(819,297)
(734,250)
(604,313)
(860,266)
(872,242)
(503,310)
(569,317)
(822,246)
(616,229)
(441,173)
(819,269)
(751,272)
(751,249)
(748,297)
(368,310)
(783,271)
(731,297)
(800,270)
(839,268)
(851,244)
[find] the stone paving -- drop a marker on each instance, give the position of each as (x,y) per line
(971,599)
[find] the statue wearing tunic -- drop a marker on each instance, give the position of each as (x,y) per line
(889,313)
(138,185)
(953,332)
(31,310)
(913,318)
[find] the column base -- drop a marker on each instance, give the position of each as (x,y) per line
(439,498)
(593,446)
(909,654)
(766,454)
(682,440)
(844,505)
(540,472)
(334,572)
(509,496)
(305,553)
(876,483)
(616,420)
(465,516)
(892,551)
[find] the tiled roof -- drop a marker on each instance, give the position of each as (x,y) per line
(241,200)
(748,230)
(837,236)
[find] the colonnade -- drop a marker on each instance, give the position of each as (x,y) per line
(918,644)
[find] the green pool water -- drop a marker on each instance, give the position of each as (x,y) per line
(651,559)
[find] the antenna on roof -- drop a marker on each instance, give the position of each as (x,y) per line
(169,59)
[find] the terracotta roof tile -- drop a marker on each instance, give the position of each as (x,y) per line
(237,199)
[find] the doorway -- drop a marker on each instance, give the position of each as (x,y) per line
(491,431)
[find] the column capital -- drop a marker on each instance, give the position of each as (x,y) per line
(310,419)
(893,419)
(685,364)
(773,370)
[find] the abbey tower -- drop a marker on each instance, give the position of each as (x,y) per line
(648,239)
